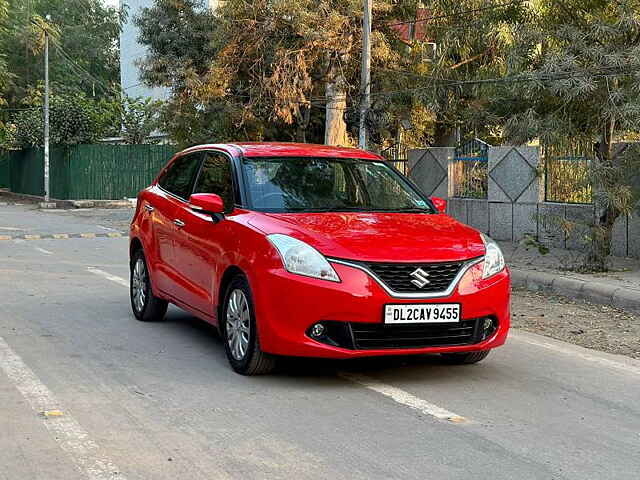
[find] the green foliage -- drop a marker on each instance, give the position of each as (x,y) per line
(470,47)
(531,241)
(140,118)
(261,70)
(87,31)
(73,119)
(71,123)
(577,67)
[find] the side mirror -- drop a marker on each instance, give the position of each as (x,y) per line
(207,203)
(440,204)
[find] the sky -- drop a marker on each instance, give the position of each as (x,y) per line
(112,3)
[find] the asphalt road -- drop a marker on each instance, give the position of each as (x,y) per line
(88,392)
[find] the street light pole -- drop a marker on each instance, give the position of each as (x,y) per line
(47,195)
(365,74)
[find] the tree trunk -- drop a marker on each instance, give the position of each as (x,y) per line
(335,130)
(303,124)
(605,215)
(444,136)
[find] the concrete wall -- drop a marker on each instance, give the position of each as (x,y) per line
(515,203)
(131,52)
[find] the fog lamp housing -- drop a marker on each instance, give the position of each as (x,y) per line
(317,330)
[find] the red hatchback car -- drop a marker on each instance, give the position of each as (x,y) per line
(314,251)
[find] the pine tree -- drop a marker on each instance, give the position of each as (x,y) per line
(580,94)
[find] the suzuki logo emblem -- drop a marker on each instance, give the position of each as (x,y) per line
(420,277)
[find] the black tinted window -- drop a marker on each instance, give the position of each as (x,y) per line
(215,177)
(181,175)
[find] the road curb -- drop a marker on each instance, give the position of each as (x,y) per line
(61,236)
(10,197)
(594,292)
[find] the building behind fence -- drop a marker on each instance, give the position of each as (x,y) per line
(85,172)
(521,195)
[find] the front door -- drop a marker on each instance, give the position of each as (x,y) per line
(200,243)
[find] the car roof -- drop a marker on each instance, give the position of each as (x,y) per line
(284,149)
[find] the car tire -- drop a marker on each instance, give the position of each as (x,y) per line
(464,358)
(145,305)
(240,333)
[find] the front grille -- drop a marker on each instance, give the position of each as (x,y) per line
(397,276)
(377,335)
(368,336)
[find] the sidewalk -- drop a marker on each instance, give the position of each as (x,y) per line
(7,197)
(619,288)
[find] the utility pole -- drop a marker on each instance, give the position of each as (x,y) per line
(47,193)
(365,75)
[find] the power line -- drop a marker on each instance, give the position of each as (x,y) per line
(521,78)
(106,88)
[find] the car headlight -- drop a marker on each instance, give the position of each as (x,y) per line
(493,258)
(302,259)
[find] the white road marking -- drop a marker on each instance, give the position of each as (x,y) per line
(404,398)
(409,400)
(71,437)
(108,276)
(108,228)
(627,365)
(397,394)
(42,250)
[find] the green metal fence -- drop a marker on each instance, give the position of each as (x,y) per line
(4,170)
(88,172)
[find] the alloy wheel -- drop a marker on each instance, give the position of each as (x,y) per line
(238,324)
(139,281)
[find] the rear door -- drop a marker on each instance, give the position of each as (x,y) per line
(173,189)
(200,244)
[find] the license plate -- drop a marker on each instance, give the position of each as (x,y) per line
(423,313)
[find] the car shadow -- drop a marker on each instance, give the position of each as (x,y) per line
(426,367)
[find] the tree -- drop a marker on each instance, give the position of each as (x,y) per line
(140,118)
(466,41)
(74,119)
(5,75)
(269,69)
(580,95)
(84,57)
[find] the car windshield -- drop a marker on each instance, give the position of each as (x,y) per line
(328,185)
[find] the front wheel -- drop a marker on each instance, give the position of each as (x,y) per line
(240,333)
(145,305)
(464,358)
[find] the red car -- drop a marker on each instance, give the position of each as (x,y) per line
(314,251)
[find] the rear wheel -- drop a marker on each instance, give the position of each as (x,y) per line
(465,358)
(240,333)
(145,305)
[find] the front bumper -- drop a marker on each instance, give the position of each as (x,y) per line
(287,305)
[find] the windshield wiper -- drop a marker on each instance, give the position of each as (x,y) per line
(412,210)
(308,209)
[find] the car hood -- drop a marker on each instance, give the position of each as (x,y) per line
(378,237)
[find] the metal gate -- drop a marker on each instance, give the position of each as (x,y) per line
(469,170)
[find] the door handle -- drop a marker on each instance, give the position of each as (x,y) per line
(149,208)
(179,223)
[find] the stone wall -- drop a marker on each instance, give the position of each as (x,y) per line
(515,203)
